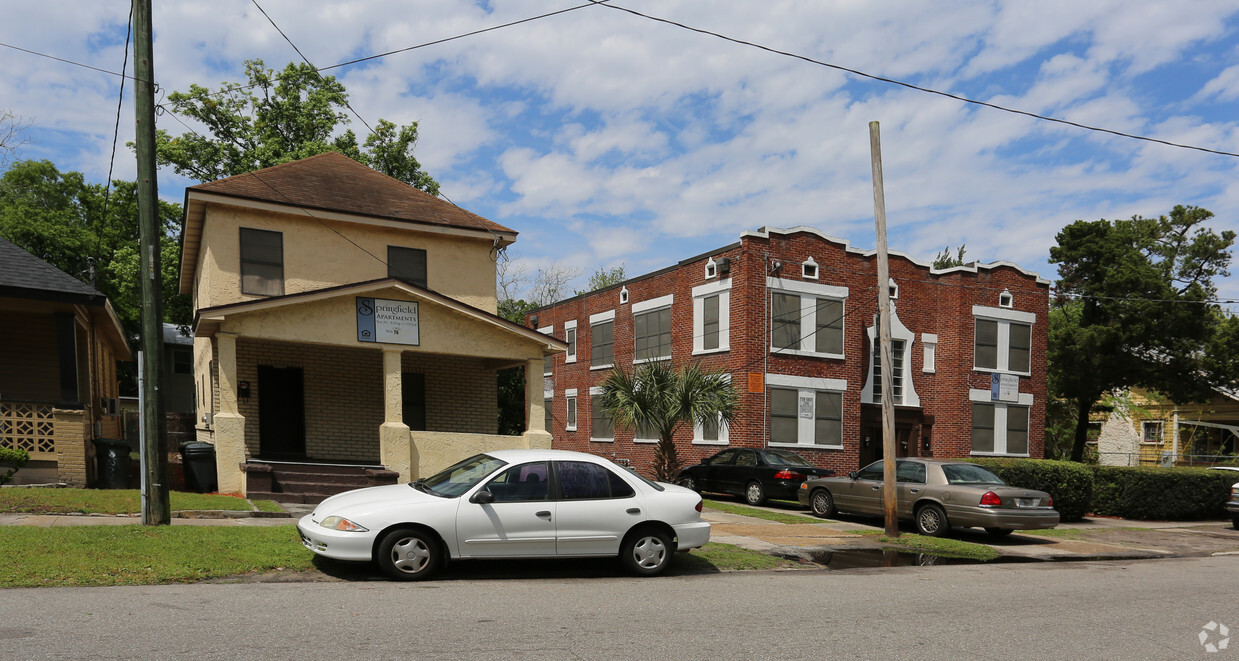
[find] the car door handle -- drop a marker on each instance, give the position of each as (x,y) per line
(544,514)
(634,510)
(914,490)
(877,487)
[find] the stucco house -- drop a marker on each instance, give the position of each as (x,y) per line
(60,340)
(1148,429)
(790,315)
(345,321)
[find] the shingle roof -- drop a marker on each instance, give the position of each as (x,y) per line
(334,182)
(26,276)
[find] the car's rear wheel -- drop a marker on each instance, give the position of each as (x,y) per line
(822,503)
(754,493)
(931,521)
(998,532)
(646,552)
(408,554)
(688,482)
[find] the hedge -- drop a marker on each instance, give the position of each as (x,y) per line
(12,457)
(1070,483)
(1167,494)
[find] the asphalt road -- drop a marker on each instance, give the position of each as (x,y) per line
(1152,609)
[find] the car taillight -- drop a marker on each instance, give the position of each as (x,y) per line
(788,475)
(991,498)
(1051,499)
(698,506)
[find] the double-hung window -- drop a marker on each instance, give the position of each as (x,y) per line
(601,427)
(806,411)
(652,329)
(1003,340)
(408,264)
(1000,428)
(806,318)
(570,413)
(262,262)
(712,317)
(602,340)
(570,336)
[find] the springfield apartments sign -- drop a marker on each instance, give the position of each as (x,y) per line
(391,322)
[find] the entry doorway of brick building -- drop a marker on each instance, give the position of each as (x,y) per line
(871,443)
(281,412)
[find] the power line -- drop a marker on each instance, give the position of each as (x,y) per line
(918,88)
(120,97)
(61,59)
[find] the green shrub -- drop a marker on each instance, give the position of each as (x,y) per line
(1165,494)
(1070,484)
(14,457)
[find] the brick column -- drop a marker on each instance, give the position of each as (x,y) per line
(229,423)
(396,448)
(69,429)
(536,435)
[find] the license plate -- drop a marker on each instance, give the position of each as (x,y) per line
(1027,502)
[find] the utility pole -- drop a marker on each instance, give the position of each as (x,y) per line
(884,337)
(156,509)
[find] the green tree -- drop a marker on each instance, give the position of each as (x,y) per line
(512,379)
(603,278)
(276,117)
(945,260)
(657,397)
(59,217)
(1133,311)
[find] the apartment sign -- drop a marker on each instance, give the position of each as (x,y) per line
(1004,388)
(387,321)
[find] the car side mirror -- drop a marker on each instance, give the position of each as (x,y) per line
(483,497)
(852,474)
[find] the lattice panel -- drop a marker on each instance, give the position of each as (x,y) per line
(27,426)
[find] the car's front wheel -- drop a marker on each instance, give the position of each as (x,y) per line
(688,482)
(754,493)
(931,521)
(408,554)
(822,503)
(646,552)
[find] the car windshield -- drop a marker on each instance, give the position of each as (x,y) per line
(784,458)
(969,474)
(460,477)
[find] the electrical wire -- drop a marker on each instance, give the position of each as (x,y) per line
(120,97)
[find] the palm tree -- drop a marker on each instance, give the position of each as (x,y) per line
(658,398)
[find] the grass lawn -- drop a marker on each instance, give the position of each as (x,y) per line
(114,501)
(943,546)
(725,557)
(744,510)
(144,555)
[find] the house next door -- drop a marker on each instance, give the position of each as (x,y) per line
(281,412)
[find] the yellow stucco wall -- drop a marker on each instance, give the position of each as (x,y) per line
(435,451)
(316,256)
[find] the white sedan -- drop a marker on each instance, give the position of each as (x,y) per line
(510,504)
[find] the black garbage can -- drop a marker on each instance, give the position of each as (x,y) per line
(112,461)
(198,459)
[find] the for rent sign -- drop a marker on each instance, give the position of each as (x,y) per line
(383,320)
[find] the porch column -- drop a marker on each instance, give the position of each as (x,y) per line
(396,449)
(536,435)
(229,423)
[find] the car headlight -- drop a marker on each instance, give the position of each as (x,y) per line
(341,523)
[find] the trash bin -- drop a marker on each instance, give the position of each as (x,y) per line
(112,461)
(198,460)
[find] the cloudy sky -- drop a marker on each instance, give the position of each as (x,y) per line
(607,138)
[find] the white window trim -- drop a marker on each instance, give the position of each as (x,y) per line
(652,305)
(930,342)
(570,396)
(599,318)
(722,289)
(1006,293)
(595,391)
(571,326)
(623,295)
(1004,318)
(547,330)
(1161,437)
(806,386)
(1000,422)
(808,313)
(808,264)
(724,437)
(898,332)
(711,269)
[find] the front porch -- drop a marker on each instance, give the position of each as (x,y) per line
(57,438)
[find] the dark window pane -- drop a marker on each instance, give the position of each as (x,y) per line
(653,334)
(1017,429)
(547,418)
(262,262)
(408,264)
(709,429)
(527,482)
(548,365)
(580,480)
(600,426)
(829,337)
(710,322)
(828,425)
(571,333)
(619,488)
(982,427)
(602,347)
(986,344)
(571,415)
(874,471)
(413,400)
(785,321)
(783,422)
(1018,357)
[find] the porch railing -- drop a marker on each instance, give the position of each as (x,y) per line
(29,426)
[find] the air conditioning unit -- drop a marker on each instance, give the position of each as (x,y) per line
(724,266)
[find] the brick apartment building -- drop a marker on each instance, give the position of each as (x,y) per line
(790,314)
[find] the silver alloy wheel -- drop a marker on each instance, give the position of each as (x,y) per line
(929,519)
(649,552)
(821,503)
(410,555)
(754,494)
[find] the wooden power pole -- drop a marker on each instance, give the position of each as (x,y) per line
(156,509)
(884,338)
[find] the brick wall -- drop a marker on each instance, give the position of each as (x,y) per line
(927,303)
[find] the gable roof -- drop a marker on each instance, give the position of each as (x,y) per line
(332,181)
(22,275)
